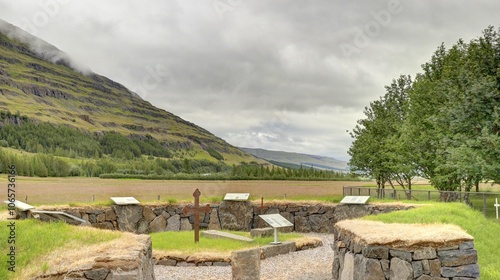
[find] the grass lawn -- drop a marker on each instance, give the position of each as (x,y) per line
(183,242)
(34,239)
(485,231)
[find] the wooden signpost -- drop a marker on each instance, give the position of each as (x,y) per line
(196,210)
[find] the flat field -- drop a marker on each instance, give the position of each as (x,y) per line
(50,191)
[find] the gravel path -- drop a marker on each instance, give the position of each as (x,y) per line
(312,264)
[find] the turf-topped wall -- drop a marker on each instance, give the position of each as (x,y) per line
(378,251)
(226,215)
(118,260)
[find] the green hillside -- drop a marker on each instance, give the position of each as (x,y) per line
(38,85)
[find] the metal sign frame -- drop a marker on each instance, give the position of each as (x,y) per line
(125,200)
(276,221)
(236,196)
(355,199)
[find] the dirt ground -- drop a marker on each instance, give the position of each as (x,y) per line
(42,191)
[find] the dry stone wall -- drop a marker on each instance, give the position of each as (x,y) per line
(226,215)
(133,262)
(437,253)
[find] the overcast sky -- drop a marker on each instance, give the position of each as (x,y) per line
(280,75)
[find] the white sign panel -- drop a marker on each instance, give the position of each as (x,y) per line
(276,220)
(237,196)
(125,200)
(21,205)
(355,200)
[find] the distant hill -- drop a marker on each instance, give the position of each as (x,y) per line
(295,160)
(41,82)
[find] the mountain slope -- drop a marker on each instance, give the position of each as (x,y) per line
(41,82)
(296,159)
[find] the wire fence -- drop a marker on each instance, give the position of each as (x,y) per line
(481,201)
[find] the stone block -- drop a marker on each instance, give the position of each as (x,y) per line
(435,266)
(159,224)
(165,215)
(418,269)
(279,249)
(167,262)
(367,269)
(245,265)
(186,264)
(301,224)
(424,254)
(97,274)
(347,269)
(128,217)
(385,264)
(214,222)
(148,214)
(174,223)
(457,257)
(400,270)
(320,223)
(185,224)
(104,225)
(236,215)
(143,227)
(404,255)
(110,215)
(467,245)
(261,232)
(101,218)
(470,270)
(426,267)
(376,252)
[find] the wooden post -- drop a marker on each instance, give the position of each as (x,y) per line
(484,204)
(496,206)
(196,210)
(262,207)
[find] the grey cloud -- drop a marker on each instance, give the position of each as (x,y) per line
(263,72)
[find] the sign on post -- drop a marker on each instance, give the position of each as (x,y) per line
(21,205)
(237,196)
(276,221)
(125,200)
(355,200)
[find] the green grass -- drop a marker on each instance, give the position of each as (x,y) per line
(485,231)
(35,239)
(184,242)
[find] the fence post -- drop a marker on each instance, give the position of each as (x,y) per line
(369,192)
(359,191)
(395,198)
(484,204)
(429,195)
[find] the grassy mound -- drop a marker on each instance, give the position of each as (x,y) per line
(35,240)
(485,231)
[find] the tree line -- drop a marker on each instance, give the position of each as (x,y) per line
(44,165)
(443,125)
